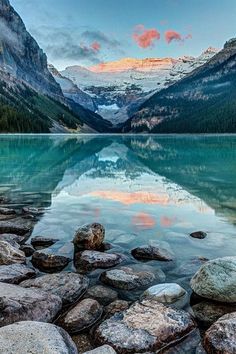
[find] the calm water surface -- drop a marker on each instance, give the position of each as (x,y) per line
(144,189)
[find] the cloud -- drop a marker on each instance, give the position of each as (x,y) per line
(96,46)
(100,37)
(171,36)
(145,38)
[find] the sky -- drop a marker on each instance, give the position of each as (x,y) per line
(87,32)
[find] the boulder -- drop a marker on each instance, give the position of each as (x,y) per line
(145,326)
(168,294)
(152,253)
(68,286)
(207,312)
(15,273)
(7,211)
(14,240)
(199,234)
(216,280)
(116,306)
(90,260)
(36,338)
(42,242)
(19,304)
(102,294)
(85,314)
(17,226)
(89,237)
(10,254)
(126,278)
(28,250)
(105,349)
(49,262)
(220,338)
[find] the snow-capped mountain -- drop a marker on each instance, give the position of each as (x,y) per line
(119,87)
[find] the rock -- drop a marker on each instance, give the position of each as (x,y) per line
(190,267)
(7,211)
(14,240)
(89,237)
(216,280)
(15,273)
(199,234)
(207,312)
(115,306)
(48,262)
(19,304)
(220,338)
(145,326)
(200,349)
(27,249)
(102,294)
(68,286)
(187,346)
(105,246)
(33,211)
(10,254)
(152,253)
(35,337)
(105,349)
(82,342)
(90,260)
(39,242)
(17,226)
(126,278)
(168,294)
(85,314)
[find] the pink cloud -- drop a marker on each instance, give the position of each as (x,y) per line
(96,46)
(176,36)
(145,38)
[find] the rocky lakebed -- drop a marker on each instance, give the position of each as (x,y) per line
(84,296)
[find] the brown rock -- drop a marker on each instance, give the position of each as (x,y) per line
(102,294)
(90,260)
(152,253)
(115,307)
(89,237)
(48,262)
(10,254)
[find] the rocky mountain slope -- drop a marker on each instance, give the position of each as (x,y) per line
(30,98)
(119,87)
(203,102)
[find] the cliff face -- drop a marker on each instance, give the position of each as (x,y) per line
(20,55)
(202,102)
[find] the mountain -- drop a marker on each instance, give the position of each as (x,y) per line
(202,102)
(31,101)
(118,88)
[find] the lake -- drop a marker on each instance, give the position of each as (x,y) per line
(143,189)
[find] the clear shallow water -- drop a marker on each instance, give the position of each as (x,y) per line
(143,189)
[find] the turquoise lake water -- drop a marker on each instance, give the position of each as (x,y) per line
(143,189)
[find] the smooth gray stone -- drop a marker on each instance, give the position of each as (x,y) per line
(15,273)
(105,349)
(29,337)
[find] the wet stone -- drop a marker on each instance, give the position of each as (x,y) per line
(190,267)
(49,262)
(220,338)
(85,314)
(10,254)
(15,273)
(35,337)
(105,349)
(70,287)
(89,260)
(145,327)
(17,226)
(199,234)
(14,240)
(102,294)
(7,211)
(27,249)
(89,237)
(19,304)
(114,307)
(152,253)
(126,278)
(39,242)
(33,211)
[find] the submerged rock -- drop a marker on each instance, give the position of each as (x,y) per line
(42,242)
(68,286)
(19,304)
(152,253)
(146,326)
(126,278)
(199,234)
(102,294)
(10,254)
(15,273)
(216,280)
(207,312)
(89,260)
(220,338)
(105,349)
(49,262)
(89,237)
(35,337)
(168,294)
(82,316)
(189,268)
